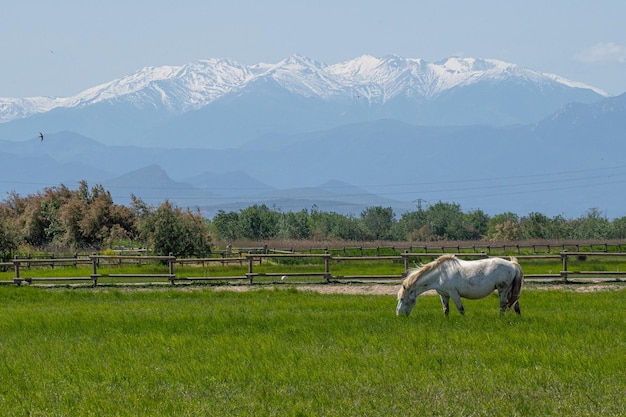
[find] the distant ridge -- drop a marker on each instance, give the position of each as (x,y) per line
(153,186)
(229,184)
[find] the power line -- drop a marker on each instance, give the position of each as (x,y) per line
(579,181)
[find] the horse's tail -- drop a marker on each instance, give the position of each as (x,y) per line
(516,287)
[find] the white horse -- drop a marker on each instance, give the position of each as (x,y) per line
(454,278)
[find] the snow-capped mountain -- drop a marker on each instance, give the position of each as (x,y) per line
(177,88)
(220,103)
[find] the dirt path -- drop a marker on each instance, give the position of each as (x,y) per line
(392,289)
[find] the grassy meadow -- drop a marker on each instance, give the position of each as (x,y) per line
(285,352)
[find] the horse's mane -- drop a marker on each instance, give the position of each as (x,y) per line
(417,273)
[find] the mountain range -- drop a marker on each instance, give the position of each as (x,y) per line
(371,131)
(220,104)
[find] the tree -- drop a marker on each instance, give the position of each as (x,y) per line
(445,220)
(594,225)
(89,218)
(258,222)
(39,221)
(618,228)
(9,237)
(333,225)
(536,226)
(71,215)
(504,226)
(378,222)
(474,225)
(227,225)
(170,230)
(409,225)
(345,227)
(294,225)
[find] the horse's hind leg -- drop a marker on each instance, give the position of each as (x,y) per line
(504,301)
(516,308)
(506,304)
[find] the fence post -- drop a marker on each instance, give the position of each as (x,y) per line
(171,261)
(564,270)
(94,269)
(17,279)
(327,266)
(405,258)
(250,262)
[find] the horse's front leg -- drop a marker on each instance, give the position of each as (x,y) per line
(445,302)
(457,301)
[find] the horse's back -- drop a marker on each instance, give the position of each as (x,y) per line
(487,267)
(478,279)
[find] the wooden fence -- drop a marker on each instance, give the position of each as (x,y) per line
(322,266)
(452,248)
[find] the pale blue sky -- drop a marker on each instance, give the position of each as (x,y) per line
(59,48)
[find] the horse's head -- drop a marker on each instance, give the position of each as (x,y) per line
(406,301)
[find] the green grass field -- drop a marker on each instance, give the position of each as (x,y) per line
(198,352)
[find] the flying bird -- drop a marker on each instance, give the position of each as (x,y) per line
(40,136)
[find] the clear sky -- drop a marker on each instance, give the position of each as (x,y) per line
(59,48)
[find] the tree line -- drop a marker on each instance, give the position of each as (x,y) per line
(60,219)
(440,221)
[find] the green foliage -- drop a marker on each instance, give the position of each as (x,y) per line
(258,222)
(9,236)
(334,226)
(410,226)
(286,352)
(226,225)
(592,226)
(618,228)
(537,226)
(171,230)
(504,226)
(445,220)
(378,222)
(294,225)
(442,221)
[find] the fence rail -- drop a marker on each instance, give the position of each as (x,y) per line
(322,266)
(462,247)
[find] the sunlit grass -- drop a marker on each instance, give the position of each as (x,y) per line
(286,352)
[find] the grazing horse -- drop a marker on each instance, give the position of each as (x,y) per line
(454,278)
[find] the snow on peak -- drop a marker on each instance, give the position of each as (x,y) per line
(123,86)
(196,84)
(303,76)
(575,84)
